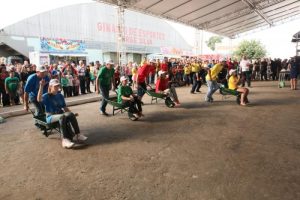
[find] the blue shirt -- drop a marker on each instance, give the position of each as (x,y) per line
(54,104)
(33,84)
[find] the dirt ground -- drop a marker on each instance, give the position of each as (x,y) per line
(203,151)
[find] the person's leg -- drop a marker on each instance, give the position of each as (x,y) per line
(242,91)
(194,83)
(72,119)
(141,90)
(138,103)
(243,79)
(198,86)
(215,87)
(248,75)
(173,93)
(209,91)
(61,118)
(39,107)
(105,95)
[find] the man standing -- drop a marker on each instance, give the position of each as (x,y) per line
(211,80)
(246,74)
(32,87)
(143,73)
(105,79)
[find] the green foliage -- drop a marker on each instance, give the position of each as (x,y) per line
(211,43)
(253,49)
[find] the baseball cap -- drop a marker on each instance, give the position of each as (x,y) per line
(41,68)
(123,78)
(111,62)
(54,73)
(232,71)
(54,82)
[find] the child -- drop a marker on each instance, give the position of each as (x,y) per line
(69,77)
(11,86)
(64,85)
(134,75)
(76,84)
(233,85)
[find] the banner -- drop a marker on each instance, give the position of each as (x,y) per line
(62,45)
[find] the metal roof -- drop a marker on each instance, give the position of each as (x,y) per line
(224,17)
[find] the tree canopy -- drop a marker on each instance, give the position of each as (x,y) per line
(211,43)
(253,49)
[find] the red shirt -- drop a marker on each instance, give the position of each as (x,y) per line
(143,72)
(152,69)
(164,67)
(161,84)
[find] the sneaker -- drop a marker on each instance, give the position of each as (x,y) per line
(104,113)
(66,143)
(136,115)
(80,137)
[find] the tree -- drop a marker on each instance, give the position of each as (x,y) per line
(253,49)
(211,43)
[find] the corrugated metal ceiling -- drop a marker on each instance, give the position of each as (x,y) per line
(225,17)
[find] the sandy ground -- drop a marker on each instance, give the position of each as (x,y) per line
(199,151)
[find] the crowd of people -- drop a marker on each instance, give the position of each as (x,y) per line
(78,78)
(41,85)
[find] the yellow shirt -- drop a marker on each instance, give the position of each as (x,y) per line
(187,70)
(233,82)
(195,67)
(134,71)
(214,71)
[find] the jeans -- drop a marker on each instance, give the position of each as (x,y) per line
(65,120)
(171,92)
(105,95)
(132,105)
(196,84)
(39,107)
(82,84)
(212,87)
(246,76)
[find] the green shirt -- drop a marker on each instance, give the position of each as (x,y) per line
(12,84)
(105,75)
(64,82)
(124,91)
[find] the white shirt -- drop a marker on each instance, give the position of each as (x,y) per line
(244,64)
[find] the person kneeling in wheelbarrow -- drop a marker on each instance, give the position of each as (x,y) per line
(128,99)
(163,85)
(233,85)
(57,111)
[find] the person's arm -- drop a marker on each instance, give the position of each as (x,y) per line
(26,103)
(40,92)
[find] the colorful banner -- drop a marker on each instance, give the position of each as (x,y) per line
(62,45)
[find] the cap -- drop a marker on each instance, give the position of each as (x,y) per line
(232,71)
(123,78)
(54,82)
(54,73)
(110,62)
(161,72)
(41,68)
(152,60)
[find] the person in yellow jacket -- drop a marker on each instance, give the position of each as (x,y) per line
(196,77)
(187,72)
(211,80)
(233,85)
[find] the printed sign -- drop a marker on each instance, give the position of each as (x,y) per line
(62,45)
